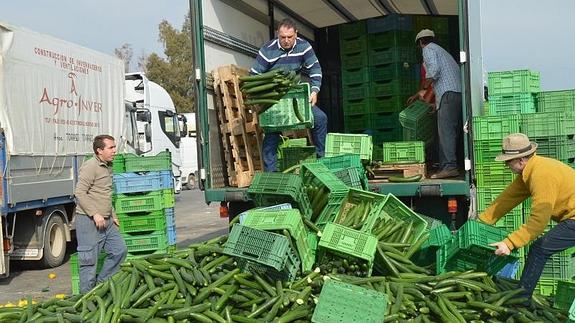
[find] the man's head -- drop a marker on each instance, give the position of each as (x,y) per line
(424,37)
(287,33)
(104,147)
(516,151)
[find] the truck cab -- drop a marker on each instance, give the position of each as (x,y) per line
(231,32)
(152,124)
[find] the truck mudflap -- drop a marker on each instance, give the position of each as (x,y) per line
(4,263)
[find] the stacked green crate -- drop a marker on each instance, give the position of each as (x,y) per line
(513,92)
(354,76)
(393,78)
(144,203)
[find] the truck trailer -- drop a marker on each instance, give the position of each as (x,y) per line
(231,32)
(55,97)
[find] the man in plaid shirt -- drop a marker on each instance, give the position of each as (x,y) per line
(442,72)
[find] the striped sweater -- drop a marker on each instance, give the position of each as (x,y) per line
(551,185)
(300,58)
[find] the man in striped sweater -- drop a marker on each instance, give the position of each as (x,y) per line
(291,52)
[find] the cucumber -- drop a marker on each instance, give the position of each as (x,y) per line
(401,179)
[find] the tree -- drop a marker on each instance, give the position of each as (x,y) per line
(125,53)
(173,72)
(142,62)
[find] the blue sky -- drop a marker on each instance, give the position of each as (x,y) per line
(516,33)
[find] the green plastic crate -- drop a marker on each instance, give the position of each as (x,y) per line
(361,107)
(383,135)
(355,198)
(341,143)
(351,177)
(548,124)
(392,55)
(153,221)
(495,127)
(269,189)
(318,175)
(486,151)
(470,249)
(162,161)
(347,242)
(343,162)
(396,209)
(341,302)
(330,211)
(557,147)
(146,242)
(416,122)
(277,220)
(493,174)
(504,104)
(438,237)
(389,39)
(359,76)
(353,45)
(404,151)
(556,101)
(356,92)
(75,266)
(292,156)
(118,165)
(572,313)
(352,30)
(389,72)
(358,122)
(354,61)
(395,87)
(560,266)
(394,103)
(516,81)
(263,247)
(146,202)
(281,116)
(546,286)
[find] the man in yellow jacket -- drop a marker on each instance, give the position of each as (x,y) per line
(551,185)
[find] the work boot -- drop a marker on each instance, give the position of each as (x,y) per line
(446,173)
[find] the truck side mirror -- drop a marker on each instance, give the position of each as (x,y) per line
(148,132)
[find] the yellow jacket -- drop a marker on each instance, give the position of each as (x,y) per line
(551,185)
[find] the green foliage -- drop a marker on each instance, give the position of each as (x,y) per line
(173,72)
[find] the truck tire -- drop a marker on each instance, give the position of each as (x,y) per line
(54,242)
(191,182)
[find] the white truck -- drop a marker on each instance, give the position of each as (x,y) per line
(56,96)
(188,150)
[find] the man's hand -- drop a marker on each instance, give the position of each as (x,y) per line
(502,248)
(313,98)
(116,221)
(417,96)
(99,221)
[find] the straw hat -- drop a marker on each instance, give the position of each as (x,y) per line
(424,33)
(516,145)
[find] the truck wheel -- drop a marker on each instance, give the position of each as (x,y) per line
(191,183)
(54,242)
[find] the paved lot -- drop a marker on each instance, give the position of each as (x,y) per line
(195,221)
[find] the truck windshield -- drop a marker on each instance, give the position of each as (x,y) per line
(170,126)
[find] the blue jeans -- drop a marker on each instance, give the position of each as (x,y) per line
(449,128)
(272,139)
(90,242)
(561,237)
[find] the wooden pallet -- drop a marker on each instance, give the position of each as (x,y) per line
(383,172)
(240,135)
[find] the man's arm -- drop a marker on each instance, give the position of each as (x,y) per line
(262,63)
(86,179)
(514,194)
(312,68)
(431,65)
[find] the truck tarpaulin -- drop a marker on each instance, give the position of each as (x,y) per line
(55,96)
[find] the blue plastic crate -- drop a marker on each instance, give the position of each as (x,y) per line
(146,182)
(171,230)
(170,217)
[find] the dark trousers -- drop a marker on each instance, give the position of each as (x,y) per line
(449,128)
(561,237)
(272,139)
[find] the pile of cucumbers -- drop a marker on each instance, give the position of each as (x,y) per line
(266,89)
(201,284)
